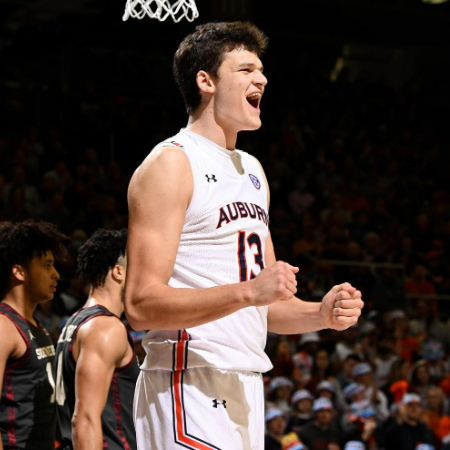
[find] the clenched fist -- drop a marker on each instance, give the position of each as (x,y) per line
(276,282)
(341,307)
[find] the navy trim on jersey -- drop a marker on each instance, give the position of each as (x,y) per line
(180,383)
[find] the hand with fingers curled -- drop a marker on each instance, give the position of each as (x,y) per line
(341,307)
(276,282)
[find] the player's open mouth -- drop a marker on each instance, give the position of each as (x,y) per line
(254,100)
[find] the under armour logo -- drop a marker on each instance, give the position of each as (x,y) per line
(217,402)
(212,177)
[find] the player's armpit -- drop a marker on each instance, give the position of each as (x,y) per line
(102,344)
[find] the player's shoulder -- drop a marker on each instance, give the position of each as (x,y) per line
(9,335)
(6,324)
(166,165)
(103,328)
(102,337)
(166,158)
(171,148)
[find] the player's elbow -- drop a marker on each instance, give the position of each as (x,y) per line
(82,420)
(137,318)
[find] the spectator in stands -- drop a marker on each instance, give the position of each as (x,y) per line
(283,365)
(397,385)
(344,376)
(319,434)
(426,318)
(434,415)
(301,414)
(362,373)
(438,367)
(304,358)
(360,424)
(280,393)
(354,392)
(275,425)
(385,358)
(405,345)
(326,389)
(321,369)
(420,379)
(406,431)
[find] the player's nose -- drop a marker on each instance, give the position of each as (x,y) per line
(260,79)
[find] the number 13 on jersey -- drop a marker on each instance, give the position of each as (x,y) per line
(249,253)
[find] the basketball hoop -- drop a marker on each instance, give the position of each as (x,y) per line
(161,9)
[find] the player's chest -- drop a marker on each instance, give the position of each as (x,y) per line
(225,203)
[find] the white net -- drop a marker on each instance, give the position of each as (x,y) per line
(161,9)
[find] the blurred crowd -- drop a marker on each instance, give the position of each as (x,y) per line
(358,175)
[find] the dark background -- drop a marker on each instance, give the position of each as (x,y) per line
(354,137)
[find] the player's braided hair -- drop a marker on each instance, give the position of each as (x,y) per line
(99,254)
(205,49)
(20,242)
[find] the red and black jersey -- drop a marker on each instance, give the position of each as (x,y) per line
(117,417)
(27,408)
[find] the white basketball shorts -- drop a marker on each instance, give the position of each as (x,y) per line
(200,408)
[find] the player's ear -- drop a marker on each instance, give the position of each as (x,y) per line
(205,82)
(18,272)
(118,272)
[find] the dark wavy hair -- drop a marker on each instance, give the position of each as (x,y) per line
(205,49)
(99,254)
(20,242)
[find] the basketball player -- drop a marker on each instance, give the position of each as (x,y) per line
(202,273)
(27,277)
(96,367)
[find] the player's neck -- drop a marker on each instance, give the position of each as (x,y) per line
(109,298)
(18,301)
(205,125)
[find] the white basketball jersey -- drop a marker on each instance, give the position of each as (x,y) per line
(222,242)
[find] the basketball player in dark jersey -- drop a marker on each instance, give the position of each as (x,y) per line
(96,367)
(27,277)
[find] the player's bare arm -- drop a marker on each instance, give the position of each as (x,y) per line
(339,309)
(100,347)
(159,195)
(13,347)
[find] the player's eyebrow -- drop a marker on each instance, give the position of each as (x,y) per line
(253,65)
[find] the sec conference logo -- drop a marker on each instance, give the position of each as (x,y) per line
(255,181)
